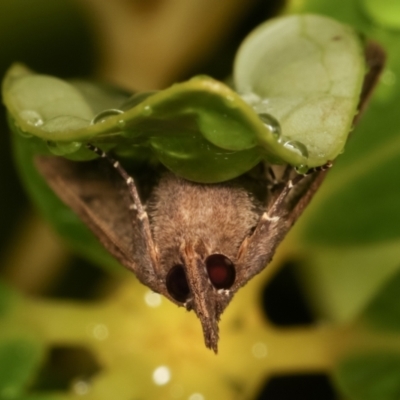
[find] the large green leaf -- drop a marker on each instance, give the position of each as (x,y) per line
(307,72)
(19,360)
(341,281)
(370,376)
(384,310)
(307,83)
(362,205)
(176,124)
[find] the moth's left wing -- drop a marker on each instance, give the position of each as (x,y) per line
(98,195)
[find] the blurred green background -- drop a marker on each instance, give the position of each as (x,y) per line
(53,38)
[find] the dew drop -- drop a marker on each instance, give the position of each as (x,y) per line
(301,169)
(121,123)
(297,147)
(271,123)
(147,110)
(62,149)
(136,99)
(104,115)
(31,117)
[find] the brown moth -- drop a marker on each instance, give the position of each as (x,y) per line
(197,244)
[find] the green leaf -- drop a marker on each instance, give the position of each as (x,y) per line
(201,129)
(370,376)
(362,205)
(38,100)
(341,281)
(19,360)
(384,310)
(385,12)
(176,124)
(310,82)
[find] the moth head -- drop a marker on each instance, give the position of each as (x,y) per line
(203,285)
(198,230)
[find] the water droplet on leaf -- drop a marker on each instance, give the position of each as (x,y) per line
(147,110)
(297,147)
(104,115)
(31,117)
(301,169)
(121,123)
(271,123)
(63,148)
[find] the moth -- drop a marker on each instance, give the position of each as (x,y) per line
(196,244)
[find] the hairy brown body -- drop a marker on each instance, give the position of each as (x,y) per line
(214,218)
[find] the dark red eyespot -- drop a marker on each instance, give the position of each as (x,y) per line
(221,271)
(177,284)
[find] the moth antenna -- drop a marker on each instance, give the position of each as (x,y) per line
(125,176)
(277,205)
(259,245)
(141,214)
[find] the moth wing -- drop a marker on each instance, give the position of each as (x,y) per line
(98,195)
